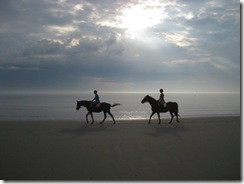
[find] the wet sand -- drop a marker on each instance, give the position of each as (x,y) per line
(198,149)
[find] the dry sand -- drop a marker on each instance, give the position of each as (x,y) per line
(207,149)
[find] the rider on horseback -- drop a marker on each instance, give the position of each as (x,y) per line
(161,101)
(95,102)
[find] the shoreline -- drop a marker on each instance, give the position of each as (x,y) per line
(154,119)
(196,149)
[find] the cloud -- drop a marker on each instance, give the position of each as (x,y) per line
(181,39)
(133,44)
(19,68)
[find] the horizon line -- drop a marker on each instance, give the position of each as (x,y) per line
(59,92)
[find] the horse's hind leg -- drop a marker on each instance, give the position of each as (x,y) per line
(177,118)
(111,116)
(105,116)
(176,112)
(172,116)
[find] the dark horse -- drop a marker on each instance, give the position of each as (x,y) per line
(105,107)
(172,107)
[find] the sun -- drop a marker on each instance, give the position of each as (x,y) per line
(135,18)
(138,18)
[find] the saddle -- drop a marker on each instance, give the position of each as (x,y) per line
(162,106)
(95,106)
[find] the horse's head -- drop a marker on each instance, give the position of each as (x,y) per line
(78,105)
(145,99)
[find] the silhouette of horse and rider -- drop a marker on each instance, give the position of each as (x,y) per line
(96,106)
(157,106)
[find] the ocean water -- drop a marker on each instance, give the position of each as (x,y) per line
(63,106)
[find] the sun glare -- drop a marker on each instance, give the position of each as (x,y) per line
(136,19)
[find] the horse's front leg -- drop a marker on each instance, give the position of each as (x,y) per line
(92,117)
(87,117)
(105,116)
(159,120)
(151,117)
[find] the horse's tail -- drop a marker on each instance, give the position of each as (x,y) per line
(115,104)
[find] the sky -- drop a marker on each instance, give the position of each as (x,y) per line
(120,45)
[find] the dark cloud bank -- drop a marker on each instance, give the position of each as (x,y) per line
(184,46)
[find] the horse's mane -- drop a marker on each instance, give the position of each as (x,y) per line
(85,101)
(152,98)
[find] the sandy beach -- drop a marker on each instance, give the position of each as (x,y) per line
(199,149)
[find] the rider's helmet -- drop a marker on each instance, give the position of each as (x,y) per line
(95,91)
(161,90)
